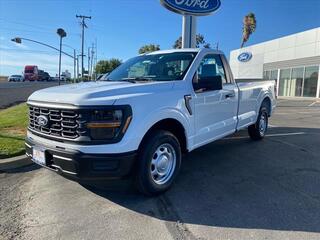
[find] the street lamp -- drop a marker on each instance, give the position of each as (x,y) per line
(59,31)
(19,41)
(62,34)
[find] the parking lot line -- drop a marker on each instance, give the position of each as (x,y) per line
(310,105)
(285,134)
(270,135)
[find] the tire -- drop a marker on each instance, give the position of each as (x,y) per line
(159,162)
(258,130)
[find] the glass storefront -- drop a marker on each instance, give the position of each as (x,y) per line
(296,82)
(310,81)
(284,82)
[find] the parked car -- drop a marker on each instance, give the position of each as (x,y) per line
(16,78)
(65,76)
(31,73)
(43,76)
(144,116)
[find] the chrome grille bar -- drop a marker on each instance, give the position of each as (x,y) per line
(63,123)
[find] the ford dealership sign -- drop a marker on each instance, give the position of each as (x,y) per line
(192,7)
(245,57)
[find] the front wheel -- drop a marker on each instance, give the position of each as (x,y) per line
(158,163)
(258,130)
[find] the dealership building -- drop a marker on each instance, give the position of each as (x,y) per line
(293,61)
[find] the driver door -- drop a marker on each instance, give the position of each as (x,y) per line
(215,108)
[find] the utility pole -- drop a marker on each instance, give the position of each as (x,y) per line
(83,25)
(92,59)
(96,59)
(88,63)
(74,65)
(78,72)
(77,68)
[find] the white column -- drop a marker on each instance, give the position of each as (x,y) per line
(189,31)
(318,86)
(278,80)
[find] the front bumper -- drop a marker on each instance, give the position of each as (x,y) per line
(79,166)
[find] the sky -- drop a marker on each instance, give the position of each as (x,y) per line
(121,27)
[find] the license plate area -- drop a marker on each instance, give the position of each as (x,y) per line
(39,155)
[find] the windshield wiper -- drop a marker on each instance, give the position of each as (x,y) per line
(131,80)
(136,79)
(122,80)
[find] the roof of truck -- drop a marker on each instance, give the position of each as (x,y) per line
(185,50)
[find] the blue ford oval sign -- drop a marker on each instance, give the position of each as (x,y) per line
(192,7)
(245,57)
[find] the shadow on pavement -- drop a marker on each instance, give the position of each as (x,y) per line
(238,183)
(25,169)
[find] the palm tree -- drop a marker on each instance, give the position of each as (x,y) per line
(149,48)
(249,27)
(200,42)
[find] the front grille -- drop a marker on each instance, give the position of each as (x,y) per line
(69,124)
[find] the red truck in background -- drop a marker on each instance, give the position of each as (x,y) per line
(31,73)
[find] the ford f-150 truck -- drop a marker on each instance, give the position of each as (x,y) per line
(143,116)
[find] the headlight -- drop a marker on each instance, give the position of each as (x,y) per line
(108,124)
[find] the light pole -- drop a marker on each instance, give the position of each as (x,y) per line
(74,61)
(78,66)
(19,41)
(62,34)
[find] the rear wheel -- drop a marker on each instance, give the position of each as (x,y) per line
(258,130)
(159,162)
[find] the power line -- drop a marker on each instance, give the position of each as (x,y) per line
(24,24)
(34,31)
(83,25)
(48,30)
(27,51)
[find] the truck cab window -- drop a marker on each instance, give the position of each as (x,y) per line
(154,67)
(211,68)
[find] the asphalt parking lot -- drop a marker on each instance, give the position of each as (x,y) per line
(12,93)
(231,189)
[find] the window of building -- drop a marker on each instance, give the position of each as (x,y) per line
(296,82)
(310,81)
(274,75)
(284,82)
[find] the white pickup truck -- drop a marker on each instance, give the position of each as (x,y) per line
(143,116)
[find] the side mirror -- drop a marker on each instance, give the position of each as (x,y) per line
(208,83)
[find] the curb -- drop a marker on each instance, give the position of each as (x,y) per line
(14,162)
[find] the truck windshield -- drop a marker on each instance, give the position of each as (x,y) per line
(153,67)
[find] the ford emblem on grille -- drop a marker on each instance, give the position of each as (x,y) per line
(42,121)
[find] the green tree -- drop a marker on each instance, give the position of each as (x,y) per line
(105,66)
(200,42)
(249,27)
(149,48)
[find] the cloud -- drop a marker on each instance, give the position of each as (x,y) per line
(12,62)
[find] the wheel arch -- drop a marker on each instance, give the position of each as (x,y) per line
(172,125)
(267,102)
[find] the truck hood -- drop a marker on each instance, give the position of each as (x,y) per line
(96,93)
